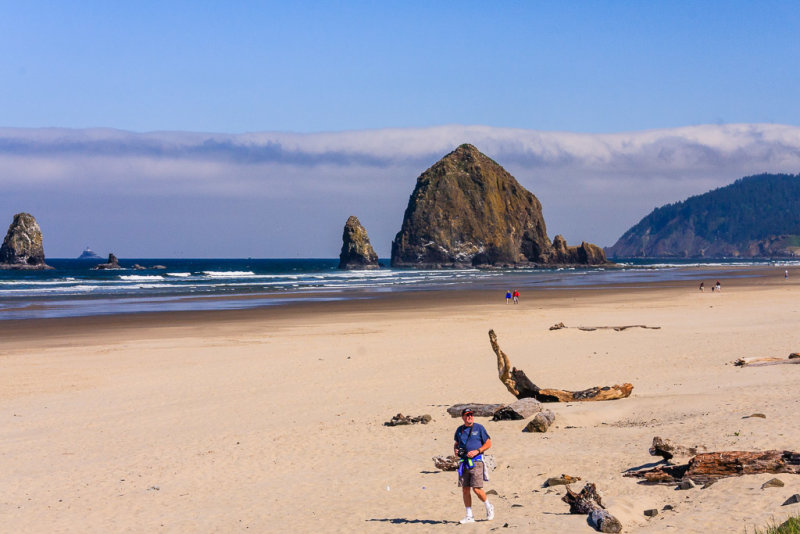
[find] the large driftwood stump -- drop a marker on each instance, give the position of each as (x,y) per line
(711,466)
(588,502)
(521,387)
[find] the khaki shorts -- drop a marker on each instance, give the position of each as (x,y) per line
(472,478)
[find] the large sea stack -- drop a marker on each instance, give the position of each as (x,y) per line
(357,252)
(467,210)
(22,248)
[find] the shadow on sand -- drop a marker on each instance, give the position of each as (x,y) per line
(404,521)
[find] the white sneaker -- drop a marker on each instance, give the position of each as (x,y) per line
(468,519)
(489,512)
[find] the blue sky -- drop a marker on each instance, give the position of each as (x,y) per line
(238,67)
(283,119)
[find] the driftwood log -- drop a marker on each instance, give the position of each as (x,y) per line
(711,466)
(560,326)
(480,410)
(588,502)
(793,358)
(521,387)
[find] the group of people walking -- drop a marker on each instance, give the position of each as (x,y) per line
(514,295)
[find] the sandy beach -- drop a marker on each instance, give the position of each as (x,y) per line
(271,420)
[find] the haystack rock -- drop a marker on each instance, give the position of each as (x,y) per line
(22,248)
(112,263)
(357,252)
(468,211)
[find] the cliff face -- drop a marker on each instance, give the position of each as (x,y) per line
(757,216)
(467,210)
(22,248)
(357,252)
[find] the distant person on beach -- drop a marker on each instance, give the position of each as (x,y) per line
(718,287)
(516,297)
(702,286)
(471,441)
(508,295)
(786,274)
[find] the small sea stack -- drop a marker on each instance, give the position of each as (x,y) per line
(111,264)
(22,248)
(357,252)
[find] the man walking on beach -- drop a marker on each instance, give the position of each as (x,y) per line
(471,441)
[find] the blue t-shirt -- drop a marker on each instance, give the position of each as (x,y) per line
(471,437)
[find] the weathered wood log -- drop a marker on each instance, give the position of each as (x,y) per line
(520,409)
(588,502)
(793,358)
(521,387)
(401,419)
(559,326)
(712,466)
(668,450)
(480,410)
(563,480)
(540,422)
(617,328)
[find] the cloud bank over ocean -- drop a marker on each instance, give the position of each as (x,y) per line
(186,194)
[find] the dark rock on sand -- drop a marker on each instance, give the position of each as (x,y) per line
(467,210)
(357,252)
(652,512)
(22,248)
(794,499)
(112,263)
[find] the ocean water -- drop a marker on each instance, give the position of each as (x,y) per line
(73,288)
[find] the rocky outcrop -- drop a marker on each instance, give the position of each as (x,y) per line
(467,210)
(22,248)
(357,252)
(756,216)
(112,263)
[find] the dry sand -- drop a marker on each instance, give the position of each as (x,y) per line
(272,420)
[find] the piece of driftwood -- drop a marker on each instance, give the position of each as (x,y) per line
(519,409)
(617,328)
(588,502)
(521,387)
(711,466)
(480,410)
(540,422)
(794,358)
(563,480)
(559,326)
(668,450)
(401,419)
